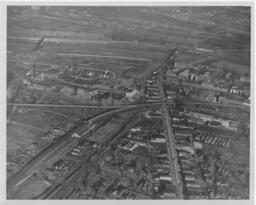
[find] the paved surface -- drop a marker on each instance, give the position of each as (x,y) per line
(171,144)
(69,181)
(80,41)
(171,147)
(94,56)
(88,106)
(66,139)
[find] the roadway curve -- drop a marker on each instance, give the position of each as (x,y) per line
(56,191)
(35,162)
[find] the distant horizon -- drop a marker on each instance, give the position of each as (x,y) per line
(129,102)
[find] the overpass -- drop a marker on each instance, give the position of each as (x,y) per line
(88,106)
(193,102)
(36,162)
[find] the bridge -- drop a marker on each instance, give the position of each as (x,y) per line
(30,167)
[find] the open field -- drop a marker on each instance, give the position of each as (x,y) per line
(145,102)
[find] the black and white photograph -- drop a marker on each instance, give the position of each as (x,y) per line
(128,102)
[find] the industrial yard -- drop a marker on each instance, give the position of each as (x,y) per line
(128,102)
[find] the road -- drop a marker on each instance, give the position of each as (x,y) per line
(124,106)
(232,105)
(60,190)
(171,144)
(35,162)
(88,106)
(91,55)
(30,167)
(171,147)
(66,139)
(196,85)
(81,41)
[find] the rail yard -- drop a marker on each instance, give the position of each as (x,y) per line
(128,102)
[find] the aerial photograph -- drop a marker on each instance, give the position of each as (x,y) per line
(128,102)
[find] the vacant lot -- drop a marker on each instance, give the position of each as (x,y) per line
(20,136)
